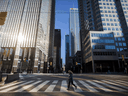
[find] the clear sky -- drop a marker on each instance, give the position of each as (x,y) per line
(62,20)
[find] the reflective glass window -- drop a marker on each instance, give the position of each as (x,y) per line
(115,38)
(118,49)
(124,44)
(121,49)
(109,28)
(120,44)
(115,24)
(116,44)
(119,39)
(108,24)
(118,33)
(123,39)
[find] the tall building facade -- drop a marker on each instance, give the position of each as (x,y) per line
(26,32)
(74,36)
(105,15)
(66,49)
(57,51)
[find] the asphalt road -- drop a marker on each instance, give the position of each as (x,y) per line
(56,85)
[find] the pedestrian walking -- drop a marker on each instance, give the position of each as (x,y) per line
(70,80)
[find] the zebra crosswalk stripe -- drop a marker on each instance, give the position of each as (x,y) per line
(52,86)
(111,86)
(115,84)
(39,86)
(11,84)
(27,86)
(91,89)
(101,87)
(64,86)
(118,82)
(8,89)
(122,81)
(78,88)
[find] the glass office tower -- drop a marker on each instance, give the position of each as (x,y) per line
(26,32)
(66,49)
(74,36)
(105,15)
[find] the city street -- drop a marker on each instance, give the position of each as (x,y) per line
(56,85)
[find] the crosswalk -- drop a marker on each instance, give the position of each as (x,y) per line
(61,86)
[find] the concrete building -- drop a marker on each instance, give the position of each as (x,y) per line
(26,33)
(105,15)
(57,51)
(74,34)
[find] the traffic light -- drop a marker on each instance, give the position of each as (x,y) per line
(3,16)
(8,53)
(50,63)
(76,63)
(25,60)
(122,57)
(4,52)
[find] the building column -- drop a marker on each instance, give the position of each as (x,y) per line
(36,60)
(93,66)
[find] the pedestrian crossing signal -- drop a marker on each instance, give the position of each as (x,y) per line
(3,16)
(76,63)
(50,63)
(122,57)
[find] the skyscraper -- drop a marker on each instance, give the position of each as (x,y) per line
(26,31)
(74,36)
(105,15)
(66,49)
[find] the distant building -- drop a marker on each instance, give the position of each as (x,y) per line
(57,50)
(66,49)
(74,34)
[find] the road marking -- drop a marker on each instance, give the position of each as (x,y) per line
(91,89)
(122,81)
(115,84)
(39,86)
(99,86)
(64,86)
(11,84)
(78,88)
(6,90)
(27,86)
(111,86)
(118,82)
(51,87)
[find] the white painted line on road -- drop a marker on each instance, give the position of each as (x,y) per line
(115,84)
(78,88)
(64,86)
(39,86)
(6,90)
(51,87)
(27,86)
(99,86)
(122,81)
(91,89)
(118,82)
(111,86)
(11,84)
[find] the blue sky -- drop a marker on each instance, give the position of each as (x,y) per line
(62,20)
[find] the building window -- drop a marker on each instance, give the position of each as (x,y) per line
(117,49)
(120,44)
(121,49)
(123,39)
(124,44)
(116,44)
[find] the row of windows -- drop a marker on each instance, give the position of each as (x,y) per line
(108,11)
(106,15)
(102,41)
(107,0)
(107,4)
(105,53)
(88,55)
(120,44)
(111,24)
(121,49)
(107,19)
(119,38)
(113,29)
(107,7)
(101,35)
(103,46)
